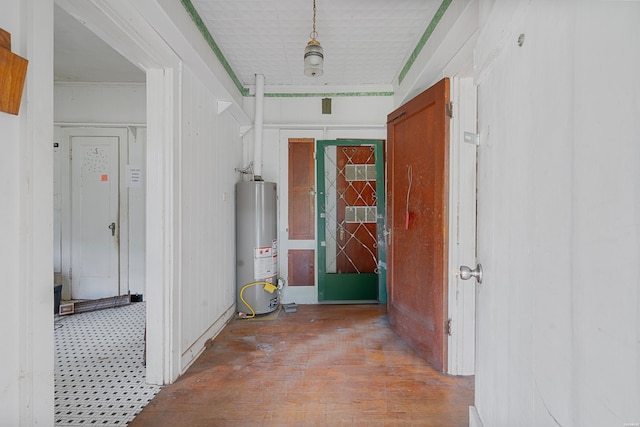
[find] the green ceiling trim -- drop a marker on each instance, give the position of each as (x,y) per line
(325,94)
(195,17)
(423,40)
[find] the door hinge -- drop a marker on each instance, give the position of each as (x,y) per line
(472,138)
(70,274)
(402,113)
(447,327)
(448,107)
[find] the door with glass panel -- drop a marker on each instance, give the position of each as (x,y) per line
(351,244)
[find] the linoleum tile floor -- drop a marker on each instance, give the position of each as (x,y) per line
(324,365)
(99,367)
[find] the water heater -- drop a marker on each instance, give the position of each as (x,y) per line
(256,247)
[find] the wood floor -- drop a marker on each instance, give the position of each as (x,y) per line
(325,365)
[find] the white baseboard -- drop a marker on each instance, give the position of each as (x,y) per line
(474,417)
(198,347)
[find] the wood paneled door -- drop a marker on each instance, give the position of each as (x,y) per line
(301,215)
(417,197)
(302,267)
(301,189)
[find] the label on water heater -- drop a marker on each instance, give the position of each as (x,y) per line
(274,256)
(265,262)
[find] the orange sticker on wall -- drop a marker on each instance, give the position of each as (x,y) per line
(105,177)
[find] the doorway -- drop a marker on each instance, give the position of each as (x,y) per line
(351,216)
(99,251)
(99,216)
(95,213)
(126,29)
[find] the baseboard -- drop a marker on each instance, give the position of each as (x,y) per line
(196,349)
(474,417)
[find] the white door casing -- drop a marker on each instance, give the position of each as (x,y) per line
(462,232)
(299,294)
(95,213)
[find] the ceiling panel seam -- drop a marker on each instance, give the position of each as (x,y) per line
(423,40)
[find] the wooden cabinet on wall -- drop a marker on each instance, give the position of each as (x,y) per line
(13,71)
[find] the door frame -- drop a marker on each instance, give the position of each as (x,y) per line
(298,294)
(67,133)
(462,225)
(378,146)
(126,27)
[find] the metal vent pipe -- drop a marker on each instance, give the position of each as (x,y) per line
(257,128)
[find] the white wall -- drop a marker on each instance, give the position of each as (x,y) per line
(307,110)
(558,214)
(103,103)
(26,206)
(606,227)
(211,148)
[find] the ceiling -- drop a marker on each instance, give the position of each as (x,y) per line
(366,42)
(81,56)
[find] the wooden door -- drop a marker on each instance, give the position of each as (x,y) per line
(417,197)
(94,217)
(301,214)
(301,189)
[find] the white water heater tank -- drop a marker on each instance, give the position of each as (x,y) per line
(256,247)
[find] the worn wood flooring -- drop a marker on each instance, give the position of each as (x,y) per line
(324,365)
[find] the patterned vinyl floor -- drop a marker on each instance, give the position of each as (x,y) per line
(99,371)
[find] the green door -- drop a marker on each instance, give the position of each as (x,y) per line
(351,217)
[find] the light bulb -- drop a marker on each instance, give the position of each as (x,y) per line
(313,59)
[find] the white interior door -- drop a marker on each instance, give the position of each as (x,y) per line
(94,216)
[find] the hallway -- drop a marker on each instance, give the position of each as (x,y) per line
(324,365)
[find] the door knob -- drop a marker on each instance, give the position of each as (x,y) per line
(467,273)
(112,227)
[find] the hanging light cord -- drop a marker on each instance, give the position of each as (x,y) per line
(314,33)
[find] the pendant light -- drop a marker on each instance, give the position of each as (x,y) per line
(313,53)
